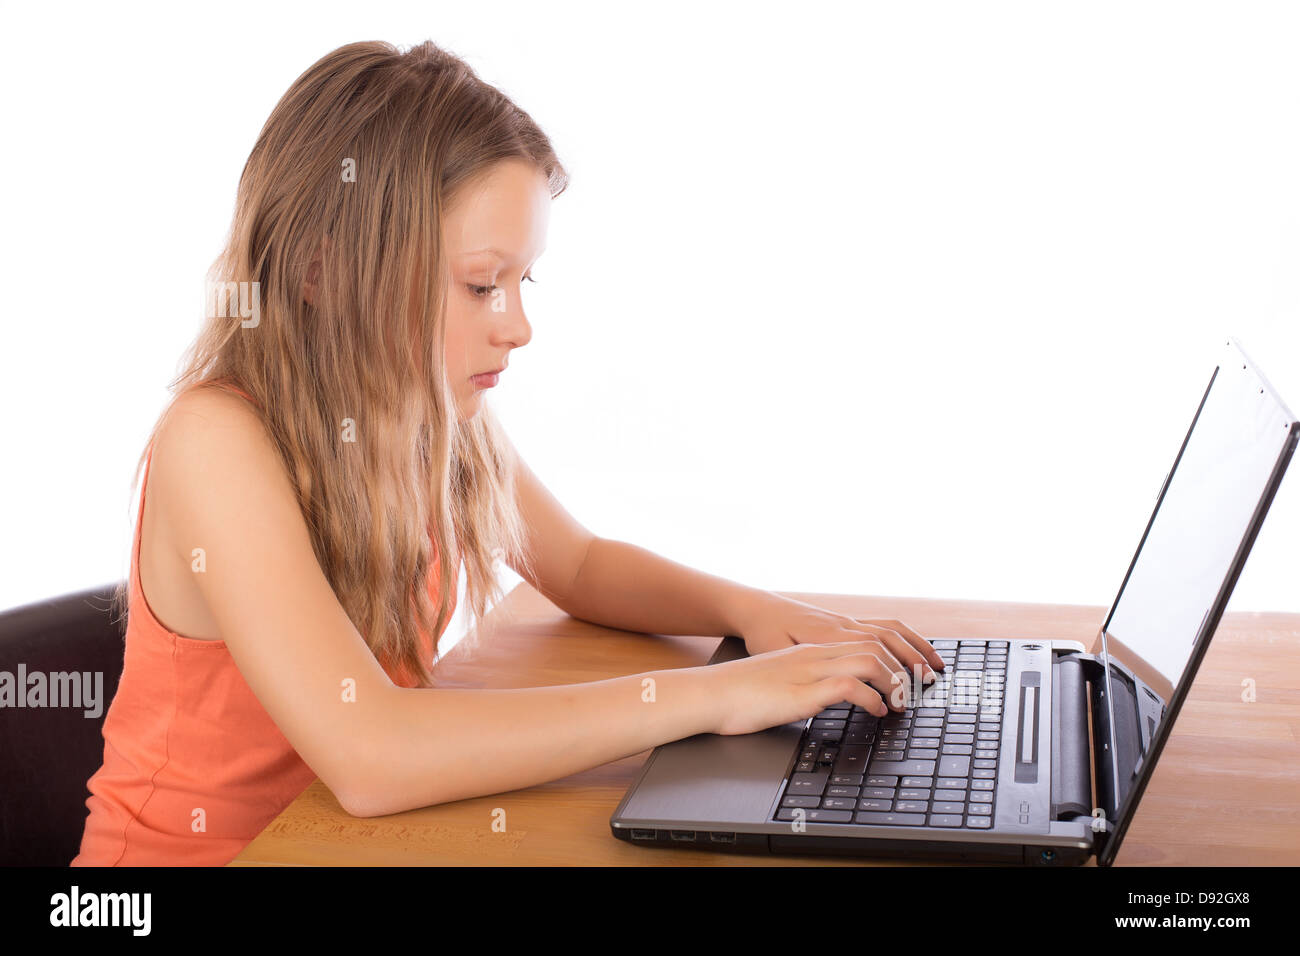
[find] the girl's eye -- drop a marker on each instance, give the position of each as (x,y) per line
(482,290)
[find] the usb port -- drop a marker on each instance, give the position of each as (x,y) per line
(722,838)
(643,834)
(684,836)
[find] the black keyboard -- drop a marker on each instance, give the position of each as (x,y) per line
(935,764)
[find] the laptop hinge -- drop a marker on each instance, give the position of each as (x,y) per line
(1076,679)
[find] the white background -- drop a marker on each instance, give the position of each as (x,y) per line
(892,299)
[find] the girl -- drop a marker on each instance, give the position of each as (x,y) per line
(327,467)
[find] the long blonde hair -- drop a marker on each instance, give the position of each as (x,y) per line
(355,166)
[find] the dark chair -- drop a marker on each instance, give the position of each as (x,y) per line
(48,753)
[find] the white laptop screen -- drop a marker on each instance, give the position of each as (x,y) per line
(1194,547)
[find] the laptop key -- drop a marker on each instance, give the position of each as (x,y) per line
(852,759)
(815,816)
(837,790)
(981,809)
(839,803)
(875,804)
(980,796)
(807,784)
(948,806)
(945,819)
(910,806)
(892,819)
(878,793)
(950,794)
(878,780)
(954,766)
(848,779)
(805,802)
(979,823)
(920,768)
(913,793)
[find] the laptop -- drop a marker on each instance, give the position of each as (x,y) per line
(1022,751)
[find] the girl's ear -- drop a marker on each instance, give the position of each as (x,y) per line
(314,272)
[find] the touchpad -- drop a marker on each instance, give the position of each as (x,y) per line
(710,779)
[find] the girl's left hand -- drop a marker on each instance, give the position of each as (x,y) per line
(778,622)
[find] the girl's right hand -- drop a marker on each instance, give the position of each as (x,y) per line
(794,683)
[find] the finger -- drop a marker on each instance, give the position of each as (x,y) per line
(903,679)
(871,667)
(914,647)
(918,643)
(907,663)
(838,688)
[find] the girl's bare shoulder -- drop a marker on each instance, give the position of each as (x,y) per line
(210,441)
(200,431)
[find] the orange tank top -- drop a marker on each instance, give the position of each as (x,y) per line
(184,734)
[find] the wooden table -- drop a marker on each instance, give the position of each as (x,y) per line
(1224,793)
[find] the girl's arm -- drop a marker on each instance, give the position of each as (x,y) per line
(216,482)
(623,585)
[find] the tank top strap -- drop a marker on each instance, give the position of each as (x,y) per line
(133,582)
(231,386)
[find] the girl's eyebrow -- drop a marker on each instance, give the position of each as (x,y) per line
(492,250)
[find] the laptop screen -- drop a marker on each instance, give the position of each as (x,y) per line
(1189,558)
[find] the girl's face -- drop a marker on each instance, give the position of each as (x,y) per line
(493,233)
